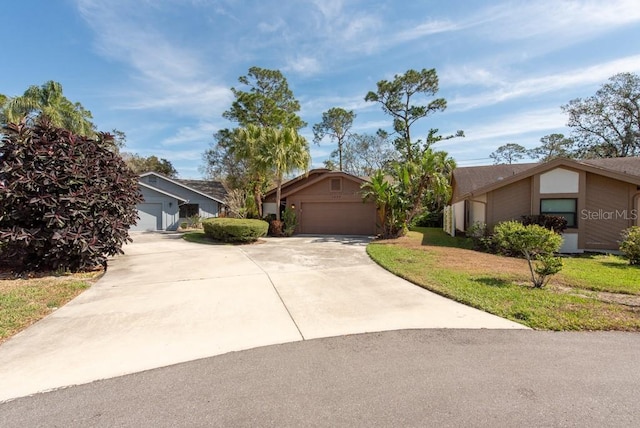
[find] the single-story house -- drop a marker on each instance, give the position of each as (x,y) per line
(170,201)
(598,197)
(326,203)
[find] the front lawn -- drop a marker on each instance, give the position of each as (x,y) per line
(500,285)
(25,301)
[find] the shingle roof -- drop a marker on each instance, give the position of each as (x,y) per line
(212,188)
(469,179)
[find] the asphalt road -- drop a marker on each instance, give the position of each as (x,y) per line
(439,378)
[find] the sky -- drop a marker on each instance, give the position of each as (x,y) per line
(162,70)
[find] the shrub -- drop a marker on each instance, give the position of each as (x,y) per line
(290,221)
(630,245)
(66,201)
(194,222)
(479,235)
(275,228)
(535,243)
(234,229)
(553,222)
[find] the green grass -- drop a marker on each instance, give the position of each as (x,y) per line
(506,295)
(438,238)
(25,301)
(602,273)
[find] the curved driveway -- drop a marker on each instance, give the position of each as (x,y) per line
(168,301)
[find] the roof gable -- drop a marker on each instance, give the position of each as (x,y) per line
(208,189)
(314,176)
(470,181)
(155,189)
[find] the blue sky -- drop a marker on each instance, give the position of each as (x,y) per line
(161,70)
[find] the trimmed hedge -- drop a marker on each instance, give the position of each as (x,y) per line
(235,229)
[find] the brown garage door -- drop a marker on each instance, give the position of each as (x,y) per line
(338,218)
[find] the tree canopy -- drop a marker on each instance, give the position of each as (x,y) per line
(397,99)
(48,101)
(267,102)
(336,124)
(508,154)
(553,146)
(140,164)
(607,124)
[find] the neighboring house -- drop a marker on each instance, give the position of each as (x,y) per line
(326,203)
(598,197)
(168,202)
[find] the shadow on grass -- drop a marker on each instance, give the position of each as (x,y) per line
(493,282)
(438,238)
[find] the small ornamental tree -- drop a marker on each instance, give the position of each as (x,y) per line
(535,243)
(66,201)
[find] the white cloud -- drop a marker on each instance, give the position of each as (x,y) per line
(166,75)
(303,65)
(426,29)
(509,90)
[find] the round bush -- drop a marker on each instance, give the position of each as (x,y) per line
(235,229)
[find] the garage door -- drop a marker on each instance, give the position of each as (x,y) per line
(338,218)
(150,217)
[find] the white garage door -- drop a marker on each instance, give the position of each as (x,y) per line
(150,217)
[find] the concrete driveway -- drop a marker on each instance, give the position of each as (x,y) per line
(168,301)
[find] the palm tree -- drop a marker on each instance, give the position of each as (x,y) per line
(283,151)
(245,148)
(47,101)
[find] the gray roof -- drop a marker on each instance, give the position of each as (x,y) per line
(467,180)
(212,188)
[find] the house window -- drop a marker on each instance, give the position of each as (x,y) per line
(189,210)
(336,184)
(566,208)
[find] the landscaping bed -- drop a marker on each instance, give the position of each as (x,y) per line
(597,292)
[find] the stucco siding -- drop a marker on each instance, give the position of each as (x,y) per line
(559,180)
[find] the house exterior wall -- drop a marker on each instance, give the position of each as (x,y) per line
(559,180)
(604,206)
(207,207)
(320,208)
(170,210)
(477,210)
(607,211)
(458,215)
(510,202)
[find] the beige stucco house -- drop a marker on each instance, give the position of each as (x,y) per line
(598,197)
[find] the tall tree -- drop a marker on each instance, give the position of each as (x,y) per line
(363,154)
(48,101)
(283,151)
(508,154)
(336,124)
(607,124)
(397,98)
(267,102)
(553,146)
(140,164)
